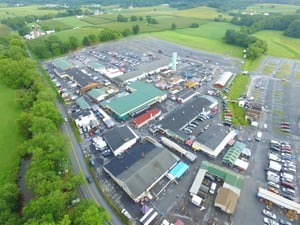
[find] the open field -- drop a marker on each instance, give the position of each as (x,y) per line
(207,37)
(64,23)
(274,8)
(25,11)
(9,138)
(279,45)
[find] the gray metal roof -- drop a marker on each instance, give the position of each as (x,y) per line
(141,166)
(117,136)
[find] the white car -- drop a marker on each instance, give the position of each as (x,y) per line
(270,221)
(269,214)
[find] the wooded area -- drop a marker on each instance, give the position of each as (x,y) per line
(49,175)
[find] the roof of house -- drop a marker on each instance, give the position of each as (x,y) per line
(232,155)
(117,136)
(146,116)
(62,64)
(141,165)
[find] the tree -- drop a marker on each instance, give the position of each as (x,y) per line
(93,38)
(87,214)
(135,29)
(194,25)
(73,43)
(86,41)
(133,18)
(293,30)
(108,34)
(48,110)
(125,32)
(173,26)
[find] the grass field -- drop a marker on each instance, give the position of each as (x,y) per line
(274,8)
(207,37)
(279,45)
(6,12)
(238,87)
(9,138)
(63,23)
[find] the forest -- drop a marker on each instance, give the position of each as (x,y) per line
(49,175)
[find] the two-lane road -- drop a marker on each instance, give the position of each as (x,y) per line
(89,191)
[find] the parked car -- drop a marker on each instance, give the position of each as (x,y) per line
(270,221)
(273,184)
(287,196)
(289,191)
(284,222)
(269,214)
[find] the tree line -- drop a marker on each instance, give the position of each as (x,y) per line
(49,174)
(254,47)
(53,46)
(290,24)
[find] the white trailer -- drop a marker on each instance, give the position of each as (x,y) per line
(275,165)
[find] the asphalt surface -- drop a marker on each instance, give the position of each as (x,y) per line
(89,191)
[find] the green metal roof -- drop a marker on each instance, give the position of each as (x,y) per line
(239,145)
(95,93)
(96,65)
(83,104)
(62,64)
(232,155)
(142,95)
(227,175)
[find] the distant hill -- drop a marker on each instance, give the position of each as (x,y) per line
(220,4)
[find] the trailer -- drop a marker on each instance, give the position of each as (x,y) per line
(275,166)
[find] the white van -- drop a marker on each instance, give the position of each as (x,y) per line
(258,136)
(213,188)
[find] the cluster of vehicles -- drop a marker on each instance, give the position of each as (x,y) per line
(285,127)
(281,169)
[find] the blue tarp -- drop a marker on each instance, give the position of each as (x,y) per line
(179,170)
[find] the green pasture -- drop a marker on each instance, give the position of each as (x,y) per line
(201,39)
(279,45)
(63,23)
(6,12)
(9,138)
(274,8)
(201,13)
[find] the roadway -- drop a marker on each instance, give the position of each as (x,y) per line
(89,191)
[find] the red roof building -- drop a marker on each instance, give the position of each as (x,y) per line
(146,117)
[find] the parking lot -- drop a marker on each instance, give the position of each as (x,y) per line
(173,201)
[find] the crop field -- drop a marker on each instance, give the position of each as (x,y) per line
(64,23)
(279,45)
(274,8)
(100,19)
(201,38)
(9,138)
(201,13)
(25,11)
